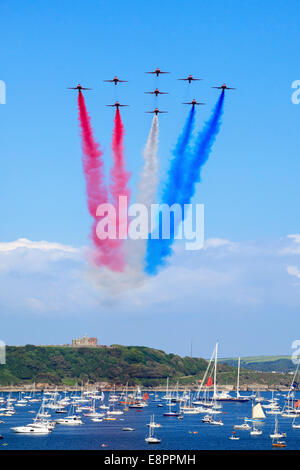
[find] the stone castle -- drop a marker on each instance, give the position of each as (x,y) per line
(85,342)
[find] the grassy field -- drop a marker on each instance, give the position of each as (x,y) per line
(250,359)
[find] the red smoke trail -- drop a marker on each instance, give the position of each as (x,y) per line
(105,252)
(119,176)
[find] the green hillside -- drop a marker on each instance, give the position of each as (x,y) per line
(118,364)
(281,364)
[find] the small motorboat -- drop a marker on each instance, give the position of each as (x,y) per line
(153,440)
(234,437)
(217,423)
(206,419)
(243,426)
(128,429)
(255,432)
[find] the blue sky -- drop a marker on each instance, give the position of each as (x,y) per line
(249,185)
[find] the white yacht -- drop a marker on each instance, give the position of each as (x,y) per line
(31,429)
(71,420)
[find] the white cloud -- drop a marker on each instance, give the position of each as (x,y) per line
(52,279)
(293,271)
(23,243)
(292,248)
(216,243)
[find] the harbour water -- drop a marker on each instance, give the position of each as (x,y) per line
(189,433)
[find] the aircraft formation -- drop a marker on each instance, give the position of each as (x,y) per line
(156,92)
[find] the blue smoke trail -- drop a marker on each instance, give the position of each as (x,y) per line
(203,146)
(157,250)
(176,172)
(183,176)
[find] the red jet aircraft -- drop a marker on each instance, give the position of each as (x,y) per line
(115,81)
(78,87)
(117,105)
(193,103)
(157,72)
(190,79)
(156,92)
(156,111)
(223,87)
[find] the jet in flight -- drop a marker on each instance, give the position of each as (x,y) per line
(157,72)
(156,111)
(223,87)
(117,105)
(156,92)
(190,79)
(78,87)
(115,80)
(193,103)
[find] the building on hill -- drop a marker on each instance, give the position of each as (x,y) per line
(85,342)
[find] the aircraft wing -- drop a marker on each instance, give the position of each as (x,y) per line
(123,105)
(108,81)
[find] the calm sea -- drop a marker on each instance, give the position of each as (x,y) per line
(187,434)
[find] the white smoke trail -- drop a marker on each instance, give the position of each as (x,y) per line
(133,276)
(149,178)
(146,194)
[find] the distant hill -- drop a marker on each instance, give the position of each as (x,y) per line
(116,365)
(281,364)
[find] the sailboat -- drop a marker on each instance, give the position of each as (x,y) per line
(290,410)
(170,412)
(167,395)
(258,397)
(276,434)
(238,398)
(257,413)
(295,426)
(151,439)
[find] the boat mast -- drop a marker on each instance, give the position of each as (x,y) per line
(215,371)
(238,379)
